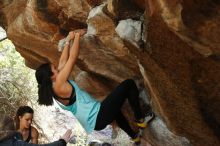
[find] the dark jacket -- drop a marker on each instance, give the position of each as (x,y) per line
(15,142)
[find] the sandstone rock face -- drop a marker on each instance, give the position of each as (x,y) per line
(172,52)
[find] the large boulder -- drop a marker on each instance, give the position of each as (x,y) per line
(170,48)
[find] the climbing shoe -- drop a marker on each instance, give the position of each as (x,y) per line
(137,140)
(143,122)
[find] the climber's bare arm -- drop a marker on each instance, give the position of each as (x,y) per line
(65,54)
(62,77)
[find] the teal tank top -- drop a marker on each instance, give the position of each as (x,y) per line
(85,108)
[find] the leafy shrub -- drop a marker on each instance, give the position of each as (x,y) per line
(17,82)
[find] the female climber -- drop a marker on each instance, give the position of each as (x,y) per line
(54,83)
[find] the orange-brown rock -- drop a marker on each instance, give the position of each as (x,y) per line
(175,59)
(95,2)
(185,66)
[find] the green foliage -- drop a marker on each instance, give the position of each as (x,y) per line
(17,82)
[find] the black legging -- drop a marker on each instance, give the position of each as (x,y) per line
(110,109)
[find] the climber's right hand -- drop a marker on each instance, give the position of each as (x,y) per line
(70,36)
(81,31)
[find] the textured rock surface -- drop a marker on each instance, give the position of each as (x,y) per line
(58,121)
(177,60)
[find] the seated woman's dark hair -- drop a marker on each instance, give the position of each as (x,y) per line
(20,112)
(43,75)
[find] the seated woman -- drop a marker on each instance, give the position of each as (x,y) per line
(53,83)
(7,135)
(25,131)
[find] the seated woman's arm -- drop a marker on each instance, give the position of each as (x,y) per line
(62,142)
(34,135)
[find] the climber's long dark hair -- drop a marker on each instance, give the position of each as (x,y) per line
(20,112)
(43,75)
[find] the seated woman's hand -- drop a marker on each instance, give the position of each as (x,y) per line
(67,135)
